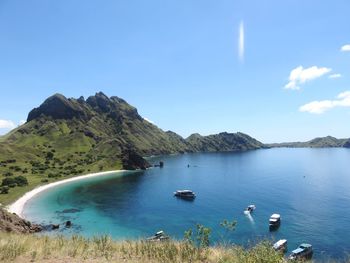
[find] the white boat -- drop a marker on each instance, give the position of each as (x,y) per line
(280,245)
(250,208)
(187,194)
(159,236)
(304,251)
(275,221)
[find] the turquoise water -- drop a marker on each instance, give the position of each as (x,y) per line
(308,187)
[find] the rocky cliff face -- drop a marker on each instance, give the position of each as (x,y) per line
(13,223)
(59,107)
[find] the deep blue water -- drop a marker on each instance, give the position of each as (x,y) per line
(310,188)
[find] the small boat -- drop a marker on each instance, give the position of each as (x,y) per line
(280,245)
(304,251)
(275,221)
(250,208)
(159,236)
(186,194)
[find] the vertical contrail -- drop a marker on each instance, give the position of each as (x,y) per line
(241,42)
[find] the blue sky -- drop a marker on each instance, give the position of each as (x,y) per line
(277,70)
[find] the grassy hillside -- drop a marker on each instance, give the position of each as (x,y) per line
(30,248)
(68,137)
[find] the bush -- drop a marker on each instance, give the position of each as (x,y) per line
(52,175)
(4,190)
(8,174)
(201,236)
(21,180)
(8,181)
(17,168)
(49,155)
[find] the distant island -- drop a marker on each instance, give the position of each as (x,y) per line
(320,142)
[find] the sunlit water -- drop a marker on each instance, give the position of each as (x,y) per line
(310,188)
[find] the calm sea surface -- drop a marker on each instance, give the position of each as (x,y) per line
(310,188)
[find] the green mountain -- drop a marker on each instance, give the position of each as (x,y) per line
(320,142)
(67,137)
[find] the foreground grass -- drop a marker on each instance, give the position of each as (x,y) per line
(31,248)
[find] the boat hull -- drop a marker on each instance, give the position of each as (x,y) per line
(274,226)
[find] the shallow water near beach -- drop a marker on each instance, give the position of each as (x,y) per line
(308,187)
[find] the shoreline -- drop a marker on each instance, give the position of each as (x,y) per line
(18,206)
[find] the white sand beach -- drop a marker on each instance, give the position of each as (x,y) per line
(17,206)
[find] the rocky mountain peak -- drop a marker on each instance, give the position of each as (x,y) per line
(99,102)
(58,107)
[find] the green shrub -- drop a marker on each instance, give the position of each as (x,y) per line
(21,180)
(201,238)
(8,181)
(52,175)
(49,155)
(4,190)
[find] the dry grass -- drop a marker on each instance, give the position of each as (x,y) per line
(32,248)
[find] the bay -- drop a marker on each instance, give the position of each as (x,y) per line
(308,187)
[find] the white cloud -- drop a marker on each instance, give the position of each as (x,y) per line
(241,42)
(335,76)
(318,107)
(300,75)
(6,124)
(148,120)
(343,95)
(345,48)
(21,122)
